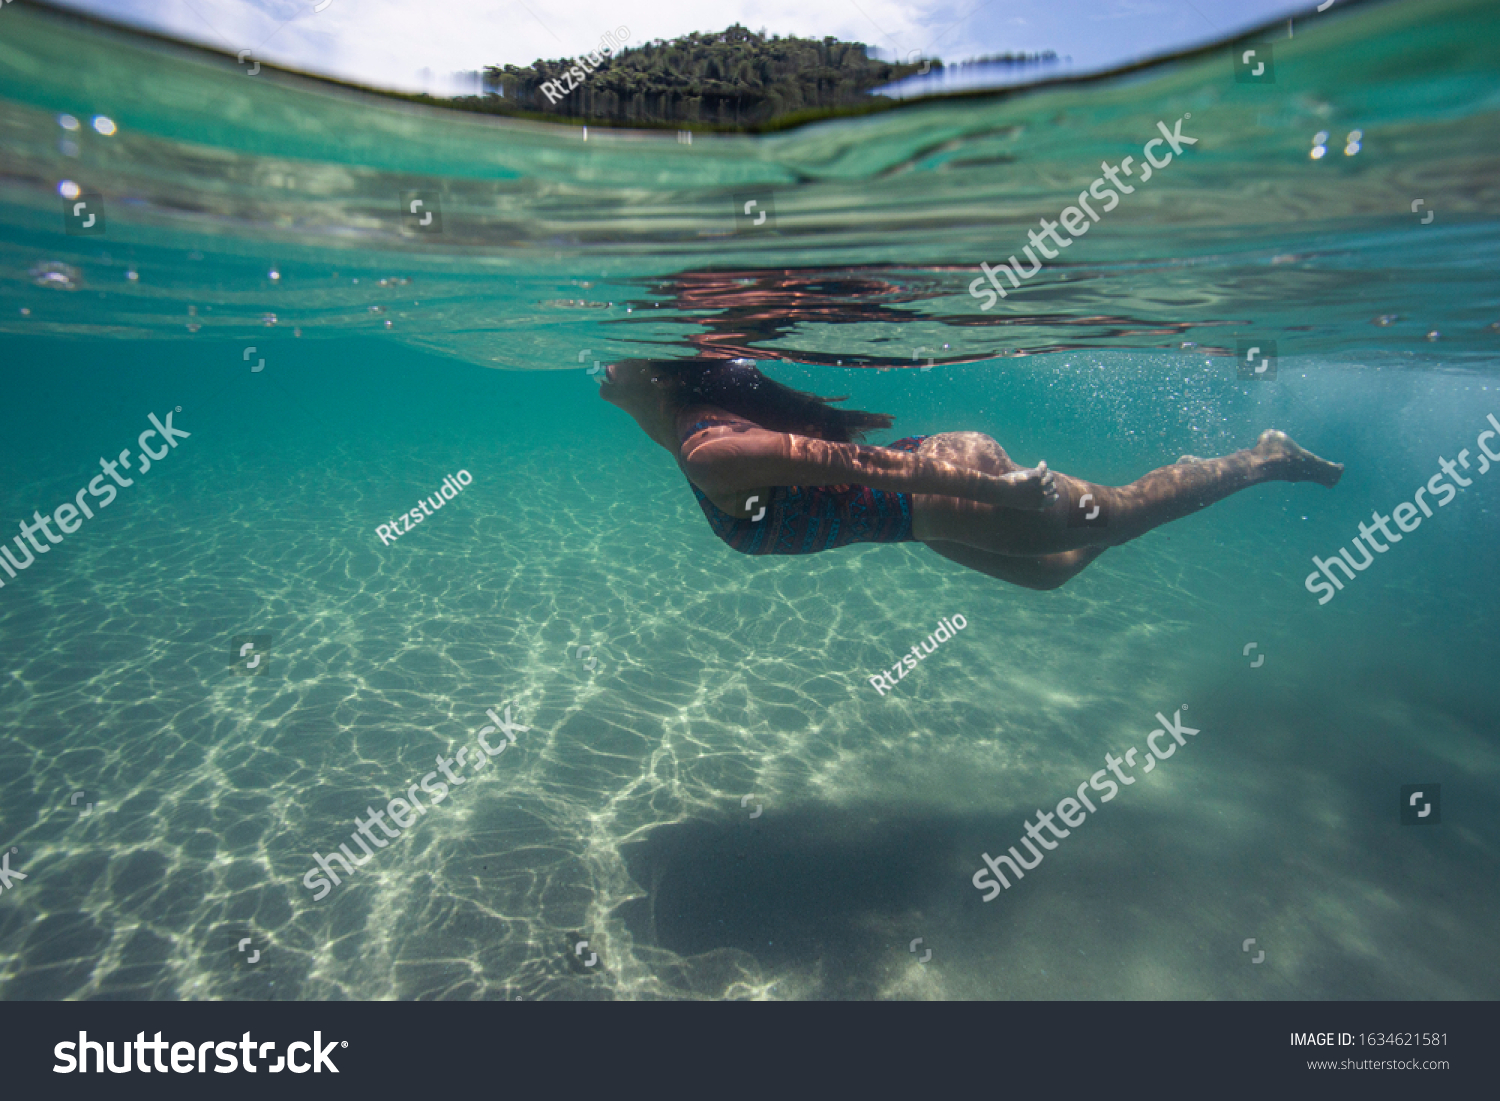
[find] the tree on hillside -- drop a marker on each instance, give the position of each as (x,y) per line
(735,77)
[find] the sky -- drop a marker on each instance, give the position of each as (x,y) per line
(419,44)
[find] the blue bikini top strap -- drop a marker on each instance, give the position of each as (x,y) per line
(700,426)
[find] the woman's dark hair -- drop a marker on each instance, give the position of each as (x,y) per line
(737,386)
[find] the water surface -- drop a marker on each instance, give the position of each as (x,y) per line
(712,795)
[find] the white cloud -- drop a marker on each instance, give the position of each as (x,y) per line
(389,42)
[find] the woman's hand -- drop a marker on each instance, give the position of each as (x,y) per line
(1026,490)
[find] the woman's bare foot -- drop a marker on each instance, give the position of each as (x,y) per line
(1292,463)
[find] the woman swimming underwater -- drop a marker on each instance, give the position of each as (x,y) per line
(777,471)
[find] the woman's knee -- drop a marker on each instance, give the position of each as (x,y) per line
(1046,582)
(1053,571)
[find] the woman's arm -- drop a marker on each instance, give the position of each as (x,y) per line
(726,461)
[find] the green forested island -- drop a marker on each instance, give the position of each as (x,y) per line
(734,79)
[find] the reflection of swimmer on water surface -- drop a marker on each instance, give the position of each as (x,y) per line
(774,313)
(777,471)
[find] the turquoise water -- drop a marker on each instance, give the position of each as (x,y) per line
(712,795)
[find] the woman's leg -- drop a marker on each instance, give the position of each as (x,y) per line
(1049,571)
(975,449)
(1104,516)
